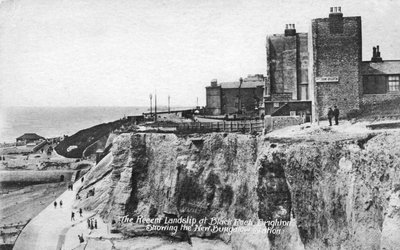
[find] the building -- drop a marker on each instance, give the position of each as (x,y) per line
(287,85)
(309,72)
(29,138)
(336,62)
(242,97)
(381,79)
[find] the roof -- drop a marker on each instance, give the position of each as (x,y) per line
(245,85)
(380,68)
(30,136)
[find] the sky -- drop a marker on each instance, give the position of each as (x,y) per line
(117,52)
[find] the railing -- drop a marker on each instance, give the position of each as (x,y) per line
(11,144)
(249,126)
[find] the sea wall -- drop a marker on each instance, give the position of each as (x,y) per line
(25,178)
(334,195)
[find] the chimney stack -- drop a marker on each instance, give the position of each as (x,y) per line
(376,55)
(336,20)
(290,30)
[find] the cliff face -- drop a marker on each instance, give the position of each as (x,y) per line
(338,194)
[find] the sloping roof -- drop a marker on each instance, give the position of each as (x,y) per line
(30,136)
(245,85)
(381,68)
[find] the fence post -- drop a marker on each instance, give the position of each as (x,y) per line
(250,127)
(231,128)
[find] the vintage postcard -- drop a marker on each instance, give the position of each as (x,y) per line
(199,124)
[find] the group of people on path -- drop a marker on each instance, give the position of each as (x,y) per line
(92,224)
(333,113)
(73,214)
(55,204)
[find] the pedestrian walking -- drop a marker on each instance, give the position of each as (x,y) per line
(330,116)
(336,114)
(91,224)
(61,203)
(88,223)
(80,212)
(72,216)
(55,204)
(95,223)
(82,179)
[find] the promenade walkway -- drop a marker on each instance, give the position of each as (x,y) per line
(48,229)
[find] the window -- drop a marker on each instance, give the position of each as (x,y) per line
(394,83)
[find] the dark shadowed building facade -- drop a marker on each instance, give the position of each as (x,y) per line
(239,97)
(287,85)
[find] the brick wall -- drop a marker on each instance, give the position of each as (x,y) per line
(337,52)
(282,62)
(277,122)
(377,98)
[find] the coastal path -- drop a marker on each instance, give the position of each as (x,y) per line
(43,231)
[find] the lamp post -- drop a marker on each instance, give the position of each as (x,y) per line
(155,107)
(240,97)
(169,107)
(151,110)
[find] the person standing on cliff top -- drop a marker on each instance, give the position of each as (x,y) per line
(55,204)
(336,114)
(60,203)
(330,115)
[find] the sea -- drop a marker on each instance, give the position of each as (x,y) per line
(57,121)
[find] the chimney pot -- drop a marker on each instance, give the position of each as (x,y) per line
(331,9)
(290,31)
(339,9)
(293,26)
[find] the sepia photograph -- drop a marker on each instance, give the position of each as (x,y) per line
(199,124)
